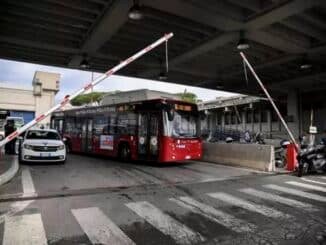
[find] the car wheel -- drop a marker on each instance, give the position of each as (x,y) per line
(124,153)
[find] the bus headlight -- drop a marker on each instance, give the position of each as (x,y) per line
(61,147)
(28,147)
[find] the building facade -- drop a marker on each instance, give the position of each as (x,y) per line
(255,114)
(28,102)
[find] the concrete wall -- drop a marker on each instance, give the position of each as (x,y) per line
(260,157)
(17,99)
(38,99)
(136,95)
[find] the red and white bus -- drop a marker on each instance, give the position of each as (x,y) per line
(155,130)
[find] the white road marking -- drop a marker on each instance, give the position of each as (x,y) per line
(165,223)
(280,199)
(24,229)
(27,182)
(322,177)
(313,181)
(308,186)
(258,208)
(28,191)
(16,207)
(296,192)
(215,215)
(99,228)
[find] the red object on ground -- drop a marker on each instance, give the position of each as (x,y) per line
(291,157)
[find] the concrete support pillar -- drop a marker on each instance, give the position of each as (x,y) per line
(269,122)
(223,120)
(293,112)
(243,120)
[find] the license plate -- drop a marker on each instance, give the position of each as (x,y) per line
(45,154)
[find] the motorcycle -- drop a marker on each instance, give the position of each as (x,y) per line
(312,158)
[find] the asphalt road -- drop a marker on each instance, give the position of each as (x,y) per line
(101,201)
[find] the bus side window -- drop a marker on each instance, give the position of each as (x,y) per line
(60,128)
(132,123)
(122,124)
(100,125)
(112,124)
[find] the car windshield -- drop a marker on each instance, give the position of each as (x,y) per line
(42,135)
(19,123)
(182,125)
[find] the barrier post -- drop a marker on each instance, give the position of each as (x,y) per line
(291,157)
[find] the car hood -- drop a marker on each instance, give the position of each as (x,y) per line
(43,142)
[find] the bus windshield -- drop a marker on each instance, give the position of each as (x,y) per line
(182,125)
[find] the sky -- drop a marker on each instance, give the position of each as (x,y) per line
(21,73)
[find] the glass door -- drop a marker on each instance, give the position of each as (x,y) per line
(87,135)
(148,136)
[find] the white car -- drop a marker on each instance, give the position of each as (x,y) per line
(42,145)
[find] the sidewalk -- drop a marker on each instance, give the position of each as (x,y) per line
(8,168)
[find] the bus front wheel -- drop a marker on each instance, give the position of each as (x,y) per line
(124,152)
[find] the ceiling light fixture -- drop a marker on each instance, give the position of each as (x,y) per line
(84,64)
(135,12)
(243,43)
(163,76)
(305,64)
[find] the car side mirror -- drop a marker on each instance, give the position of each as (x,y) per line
(64,139)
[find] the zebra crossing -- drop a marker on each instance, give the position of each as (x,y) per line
(101,229)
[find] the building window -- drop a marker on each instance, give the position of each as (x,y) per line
(274,116)
(227,118)
(263,118)
(248,116)
(256,117)
(233,118)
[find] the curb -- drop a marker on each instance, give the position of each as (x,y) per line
(10,173)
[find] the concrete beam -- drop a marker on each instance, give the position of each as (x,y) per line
(275,42)
(296,82)
(261,21)
(115,17)
(279,61)
(38,45)
(191,12)
(207,46)
(277,14)
(254,5)
(305,28)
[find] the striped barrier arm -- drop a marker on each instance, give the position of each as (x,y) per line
(88,86)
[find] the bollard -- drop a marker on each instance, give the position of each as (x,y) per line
(291,157)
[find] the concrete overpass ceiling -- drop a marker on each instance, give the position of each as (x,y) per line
(282,35)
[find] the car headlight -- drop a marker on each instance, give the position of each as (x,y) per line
(61,147)
(28,147)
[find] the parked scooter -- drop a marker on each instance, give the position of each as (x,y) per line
(312,158)
(280,153)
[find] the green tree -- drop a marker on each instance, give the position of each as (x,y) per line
(188,97)
(84,99)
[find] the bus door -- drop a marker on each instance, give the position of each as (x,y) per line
(148,133)
(87,135)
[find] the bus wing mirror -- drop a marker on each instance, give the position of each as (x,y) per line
(170,113)
(203,114)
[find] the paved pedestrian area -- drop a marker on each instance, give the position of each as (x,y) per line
(178,204)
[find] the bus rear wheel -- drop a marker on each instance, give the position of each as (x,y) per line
(124,152)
